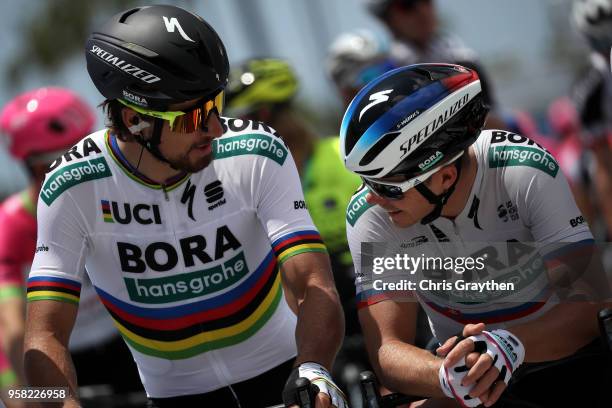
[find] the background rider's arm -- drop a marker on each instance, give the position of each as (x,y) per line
(12,318)
(320,324)
(566,327)
(389,329)
(47,360)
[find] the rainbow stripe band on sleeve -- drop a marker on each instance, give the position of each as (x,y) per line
(52,288)
(297,243)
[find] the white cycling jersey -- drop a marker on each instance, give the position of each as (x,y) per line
(188,271)
(518,196)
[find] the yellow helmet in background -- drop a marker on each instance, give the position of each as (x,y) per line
(257,83)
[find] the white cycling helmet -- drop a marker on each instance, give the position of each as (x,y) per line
(593,18)
(356,57)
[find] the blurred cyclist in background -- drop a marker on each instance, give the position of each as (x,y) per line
(355,58)
(39,126)
(592,95)
(263,89)
(418,39)
(573,158)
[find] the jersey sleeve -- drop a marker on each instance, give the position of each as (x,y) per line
(280,205)
(545,202)
(58,266)
(365,228)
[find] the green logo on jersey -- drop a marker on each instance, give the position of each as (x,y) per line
(187,285)
(72,175)
(262,145)
(357,206)
(502,156)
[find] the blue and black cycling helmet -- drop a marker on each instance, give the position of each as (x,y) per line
(411,121)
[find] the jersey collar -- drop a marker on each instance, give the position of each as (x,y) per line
(133,173)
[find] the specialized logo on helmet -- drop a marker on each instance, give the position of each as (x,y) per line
(376,98)
(431,127)
(133,70)
(174,24)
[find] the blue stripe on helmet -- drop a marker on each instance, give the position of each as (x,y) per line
(365,90)
(422,99)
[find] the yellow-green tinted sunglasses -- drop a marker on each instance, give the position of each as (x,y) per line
(188,121)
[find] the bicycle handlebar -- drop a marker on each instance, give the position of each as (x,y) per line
(303,394)
(371,395)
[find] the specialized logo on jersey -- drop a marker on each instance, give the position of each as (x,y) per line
(214,195)
(507,212)
(141,213)
(72,175)
(259,144)
(357,206)
(187,198)
(473,213)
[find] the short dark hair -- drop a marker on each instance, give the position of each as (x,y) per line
(114,119)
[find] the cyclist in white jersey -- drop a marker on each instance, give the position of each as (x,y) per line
(184,251)
(479,193)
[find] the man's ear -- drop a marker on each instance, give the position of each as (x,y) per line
(133,121)
(446,175)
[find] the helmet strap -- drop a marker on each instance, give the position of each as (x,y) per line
(152,144)
(439,200)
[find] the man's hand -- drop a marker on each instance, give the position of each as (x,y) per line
(329,394)
(491,358)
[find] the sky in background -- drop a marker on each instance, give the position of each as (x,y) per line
(512,38)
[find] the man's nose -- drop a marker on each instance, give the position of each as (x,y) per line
(375,199)
(213,128)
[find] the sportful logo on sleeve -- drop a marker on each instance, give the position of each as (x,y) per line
(503,156)
(262,145)
(72,175)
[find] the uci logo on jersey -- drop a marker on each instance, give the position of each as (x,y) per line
(141,213)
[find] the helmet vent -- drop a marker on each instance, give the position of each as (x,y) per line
(368,172)
(127,14)
(378,148)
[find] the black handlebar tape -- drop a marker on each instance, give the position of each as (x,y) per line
(369,390)
(301,393)
(605,327)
